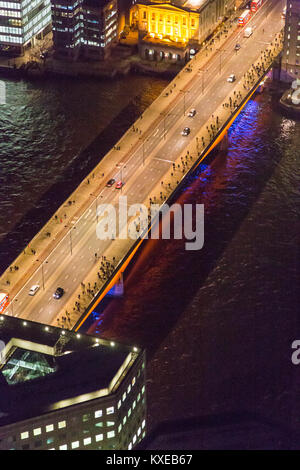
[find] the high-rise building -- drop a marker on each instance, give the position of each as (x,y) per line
(84,28)
(21,22)
(291,50)
(63,390)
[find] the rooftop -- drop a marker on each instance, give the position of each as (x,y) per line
(44,368)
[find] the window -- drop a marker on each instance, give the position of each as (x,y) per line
(143,423)
(139,431)
(133,404)
(144,15)
(124,420)
(98,414)
(75,444)
(63,447)
(119,404)
(99,437)
(110,410)
(49,427)
(124,396)
(134,439)
(24,435)
(130,446)
(129,388)
(50,440)
(111,434)
(129,412)
(87,441)
(86,417)
(37,431)
(110,423)
(120,428)
(61,424)
(99,425)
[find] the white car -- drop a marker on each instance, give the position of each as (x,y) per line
(186,131)
(231,78)
(192,113)
(34,289)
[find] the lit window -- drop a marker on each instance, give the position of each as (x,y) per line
(124,420)
(134,439)
(99,437)
(139,397)
(110,423)
(130,446)
(110,410)
(133,381)
(75,444)
(143,423)
(119,404)
(98,414)
(87,441)
(49,428)
(139,431)
(129,412)
(85,417)
(63,447)
(124,396)
(120,428)
(133,404)
(111,434)
(61,424)
(37,431)
(143,389)
(24,435)
(129,388)
(99,425)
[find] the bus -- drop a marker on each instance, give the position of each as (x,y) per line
(4,302)
(255,5)
(244,18)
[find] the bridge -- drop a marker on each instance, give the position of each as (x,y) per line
(152,159)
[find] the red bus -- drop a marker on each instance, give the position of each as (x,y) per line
(256,4)
(244,18)
(4,302)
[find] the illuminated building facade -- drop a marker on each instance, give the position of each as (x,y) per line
(169,30)
(291,50)
(21,22)
(60,390)
(84,28)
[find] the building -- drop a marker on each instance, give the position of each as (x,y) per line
(84,29)
(64,390)
(291,49)
(173,30)
(22,22)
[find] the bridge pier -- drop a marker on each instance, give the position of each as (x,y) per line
(118,289)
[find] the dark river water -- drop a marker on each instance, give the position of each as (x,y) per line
(217,323)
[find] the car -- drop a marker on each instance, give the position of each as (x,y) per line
(231,78)
(110,182)
(33,290)
(58,293)
(186,131)
(237,47)
(119,184)
(192,113)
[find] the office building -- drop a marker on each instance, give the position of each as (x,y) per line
(172,30)
(291,50)
(84,29)
(22,22)
(63,390)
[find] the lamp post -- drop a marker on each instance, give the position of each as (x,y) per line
(221,50)
(96,200)
(184,92)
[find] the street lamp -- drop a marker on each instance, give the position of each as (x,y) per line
(221,50)
(184,92)
(96,200)
(202,70)
(42,269)
(165,115)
